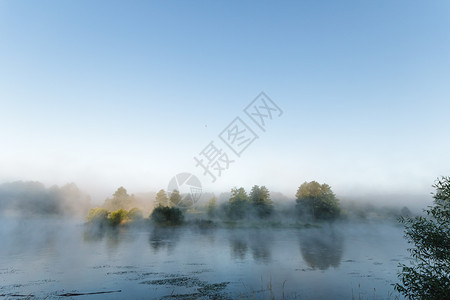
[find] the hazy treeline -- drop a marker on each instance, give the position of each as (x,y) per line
(357,210)
(121,199)
(33,198)
(313,202)
(124,209)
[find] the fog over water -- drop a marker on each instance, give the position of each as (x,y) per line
(105,104)
(51,257)
(49,251)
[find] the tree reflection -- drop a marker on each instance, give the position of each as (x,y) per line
(322,248)
(260,243)
(257,241)
(238,247)
(93,234)
(164,238)
(112,236)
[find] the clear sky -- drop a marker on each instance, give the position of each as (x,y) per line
(110,93)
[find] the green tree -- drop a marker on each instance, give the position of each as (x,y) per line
(317,200)
(161,199)
(238,203)
(175,198)
(260,199)
(97,216)
(428,276)
(120,193)
(211,207)
(120,199)
(163,215)
(118,217)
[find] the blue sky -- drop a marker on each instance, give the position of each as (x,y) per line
(110,93)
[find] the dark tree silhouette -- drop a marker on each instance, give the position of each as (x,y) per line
(428,276)
(163,215)
(238,203)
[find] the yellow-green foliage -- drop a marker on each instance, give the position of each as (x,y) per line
(135,214)
(318,200)
(97,215)
(118,217)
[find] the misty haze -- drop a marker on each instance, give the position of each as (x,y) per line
(240,244)
(224,150)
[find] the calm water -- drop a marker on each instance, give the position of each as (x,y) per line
(47,258)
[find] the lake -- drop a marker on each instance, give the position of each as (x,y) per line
(54,257)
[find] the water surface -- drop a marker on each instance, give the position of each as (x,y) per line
(53,257)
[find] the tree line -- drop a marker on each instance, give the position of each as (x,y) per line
(314,201)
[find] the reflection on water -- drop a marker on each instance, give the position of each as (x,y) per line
(238,247)
(322,248)
(257,241)
(113,236)
(260,244)
(93,235)
(164,238)
(50,257)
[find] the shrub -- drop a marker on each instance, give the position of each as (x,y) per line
(163,215)
(97,215)
(118,217)
(428,276)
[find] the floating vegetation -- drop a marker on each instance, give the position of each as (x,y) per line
(204,289)
(178,281)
